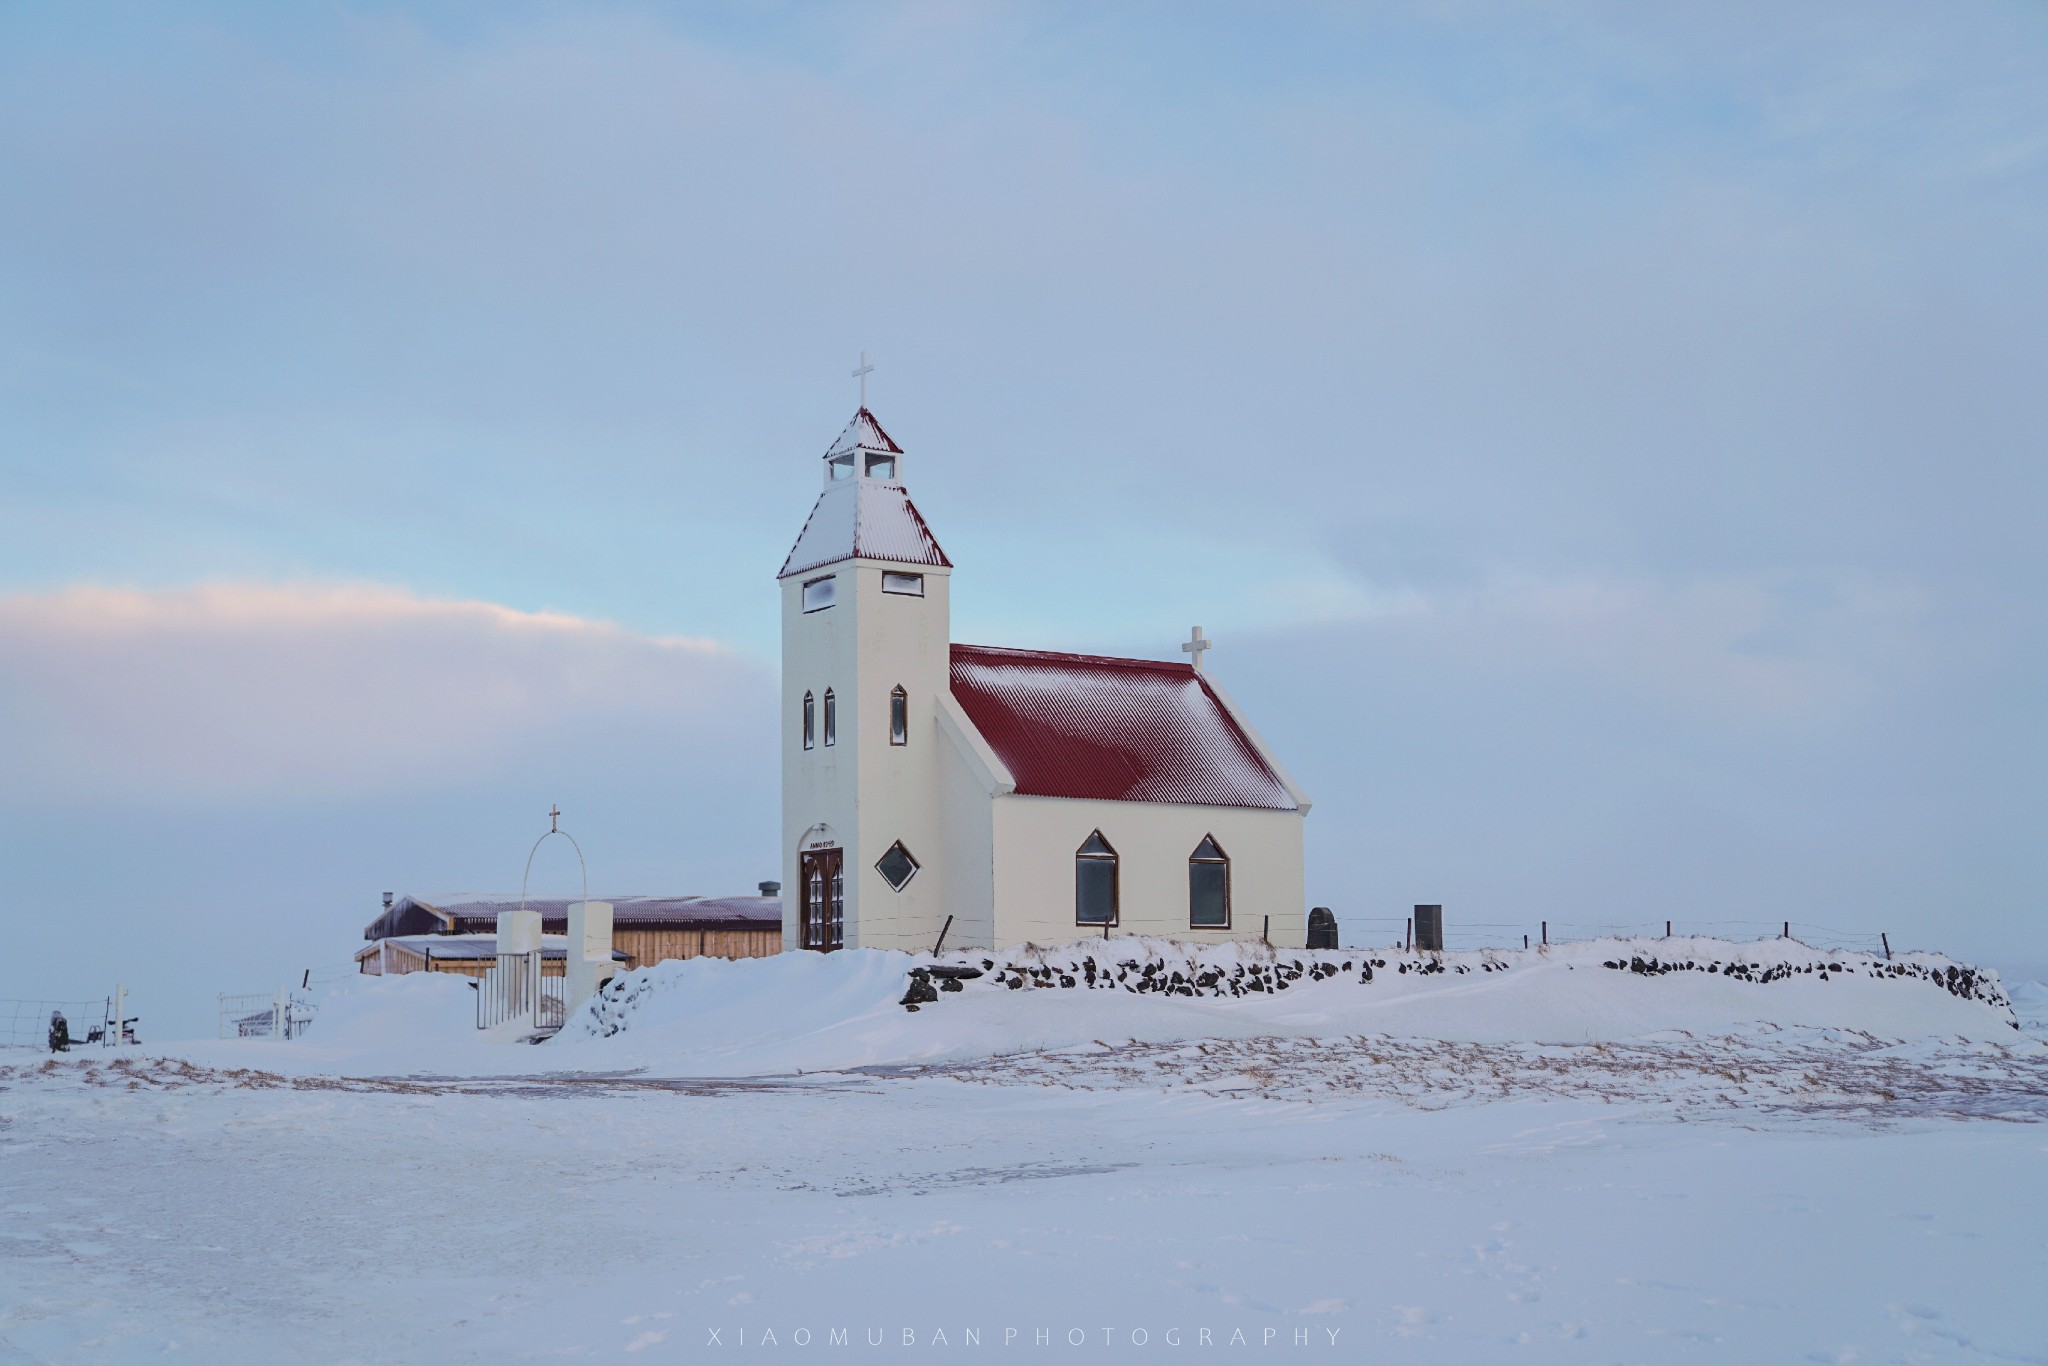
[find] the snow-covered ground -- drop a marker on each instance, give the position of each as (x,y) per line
(1539,1158)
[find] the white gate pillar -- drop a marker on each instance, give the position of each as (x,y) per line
(518,936)
(590,963)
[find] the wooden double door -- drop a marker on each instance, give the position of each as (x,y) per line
(822,899)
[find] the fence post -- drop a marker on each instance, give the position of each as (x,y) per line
(120,1009)
(1788,931)
(1407,933)
(1525,941)
(1667,929)
(277,1015)
(1885,939)
(1546,934)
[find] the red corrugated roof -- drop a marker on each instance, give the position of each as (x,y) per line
(1134,730)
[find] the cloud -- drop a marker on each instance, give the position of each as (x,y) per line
(233,691)
(1784,649)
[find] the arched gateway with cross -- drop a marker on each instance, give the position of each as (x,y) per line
(982,796)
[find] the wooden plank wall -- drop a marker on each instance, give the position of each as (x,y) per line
(645,946)
(405,960)
(653,946)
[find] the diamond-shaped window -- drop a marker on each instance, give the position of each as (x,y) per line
(897,867)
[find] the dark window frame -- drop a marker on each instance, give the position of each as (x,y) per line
(809,584)
(910,858)
(831,719)
(1084,860)
(1200,860)
(899,716)
(810,721)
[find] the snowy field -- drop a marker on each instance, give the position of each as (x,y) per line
(1537,1159)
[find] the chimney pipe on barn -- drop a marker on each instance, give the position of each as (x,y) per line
(771,889)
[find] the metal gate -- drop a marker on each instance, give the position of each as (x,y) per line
(515,989)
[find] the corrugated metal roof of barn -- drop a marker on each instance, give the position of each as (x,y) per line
(1089,726)
(628,912)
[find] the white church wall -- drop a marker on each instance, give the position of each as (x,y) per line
(967,849)
(905,641)
(1035,842)
(818,785)
(861,648)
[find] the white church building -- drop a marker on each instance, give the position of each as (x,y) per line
(1026,795)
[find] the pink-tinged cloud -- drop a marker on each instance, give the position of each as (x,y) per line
(235,690)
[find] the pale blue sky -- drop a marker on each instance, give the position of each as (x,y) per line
(1606,440)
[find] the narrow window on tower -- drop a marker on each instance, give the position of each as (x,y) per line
(831,719)
(820,593)
(810,721)
(1208,886)
(907,585)
(899,716)
(1095,882)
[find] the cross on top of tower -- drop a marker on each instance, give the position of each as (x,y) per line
(554,819)
(1194,645)
(862,375)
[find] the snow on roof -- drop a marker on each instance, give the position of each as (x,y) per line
(470,946)
(626,910)
(864,433)
(410,914)
(1134,730)
(863,517)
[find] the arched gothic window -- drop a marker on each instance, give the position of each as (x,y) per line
(1208,886)
(1095,867)
(810,721)
(831,718)
(899,716)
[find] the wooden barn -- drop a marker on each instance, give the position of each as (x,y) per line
(459,934)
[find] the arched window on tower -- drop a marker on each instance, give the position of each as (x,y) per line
(1095,882)
(831,719)
(899,716)
(1208,886)
(810,721)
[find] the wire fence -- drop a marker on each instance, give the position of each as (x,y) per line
(1472,935)
(26,1024)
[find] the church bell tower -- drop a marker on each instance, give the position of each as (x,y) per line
(866,644)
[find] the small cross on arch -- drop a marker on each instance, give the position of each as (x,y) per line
(554,819)
(1194,645)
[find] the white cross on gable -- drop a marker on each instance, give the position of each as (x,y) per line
(862,375)
(1194,645)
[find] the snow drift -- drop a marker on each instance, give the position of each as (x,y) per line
(710,1017)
